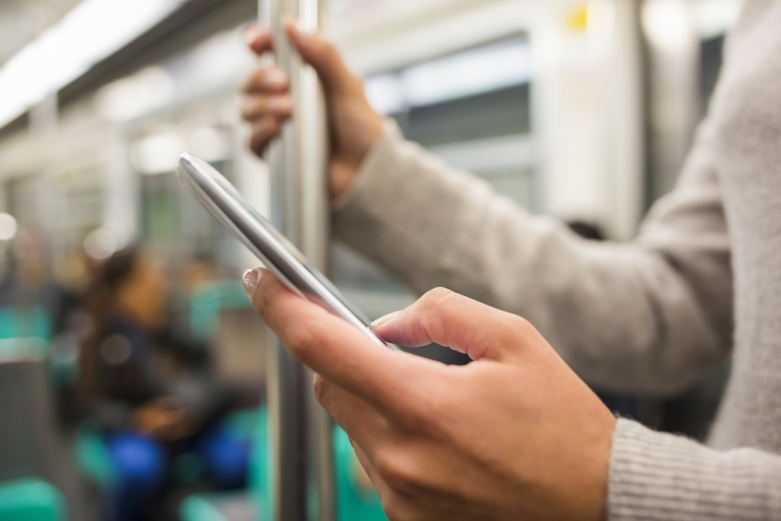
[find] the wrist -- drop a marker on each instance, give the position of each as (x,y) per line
(592,498)
(345,164)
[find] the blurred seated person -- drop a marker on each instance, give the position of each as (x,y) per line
(151,387)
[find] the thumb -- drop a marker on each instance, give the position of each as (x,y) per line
(449,319)
(321,54)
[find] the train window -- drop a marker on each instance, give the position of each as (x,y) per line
(82,193)
(472,108)
(171,221)
(161,221)
(22,194)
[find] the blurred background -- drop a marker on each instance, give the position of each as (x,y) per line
(131,385)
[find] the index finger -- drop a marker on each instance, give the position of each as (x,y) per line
(335,349)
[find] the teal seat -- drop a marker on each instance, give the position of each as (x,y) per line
(353,501)
(206,303)
(30,500)
(92,456)
(33,321)
(24,332)
(260,477)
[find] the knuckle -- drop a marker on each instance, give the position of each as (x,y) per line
(281,105)
(524,326)
(249,109)
(256,81)
(251,81)
(321,388)
(430,306)
(436,297)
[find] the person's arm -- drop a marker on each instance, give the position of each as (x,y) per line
(651,316)
(513,435)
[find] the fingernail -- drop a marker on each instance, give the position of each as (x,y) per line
(250,279)
(390,317)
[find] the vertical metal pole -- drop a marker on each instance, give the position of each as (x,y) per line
(302,471)
(44,126)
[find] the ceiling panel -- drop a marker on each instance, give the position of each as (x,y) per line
(23,20)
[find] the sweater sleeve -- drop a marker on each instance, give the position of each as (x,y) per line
(656,476)
(649,316)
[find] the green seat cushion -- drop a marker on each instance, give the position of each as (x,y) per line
(354,502)
(30,500)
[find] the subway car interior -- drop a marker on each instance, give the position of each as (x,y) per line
(582,110)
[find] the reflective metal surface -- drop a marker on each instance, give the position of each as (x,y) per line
(290,266)
(301,429)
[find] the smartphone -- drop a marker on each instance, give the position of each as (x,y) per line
(283,259)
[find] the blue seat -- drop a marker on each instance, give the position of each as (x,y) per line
(354,503)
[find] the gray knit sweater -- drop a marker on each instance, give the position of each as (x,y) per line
(700,283)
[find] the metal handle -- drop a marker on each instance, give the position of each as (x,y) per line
(301,453)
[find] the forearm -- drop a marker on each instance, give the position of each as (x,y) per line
(621,315)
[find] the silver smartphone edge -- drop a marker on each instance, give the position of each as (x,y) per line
(223,201)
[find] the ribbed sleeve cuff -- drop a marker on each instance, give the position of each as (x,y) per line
(656,476)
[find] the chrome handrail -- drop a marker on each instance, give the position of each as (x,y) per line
(301,453)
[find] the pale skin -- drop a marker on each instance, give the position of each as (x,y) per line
(513,435)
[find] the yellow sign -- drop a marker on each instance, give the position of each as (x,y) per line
(577,20)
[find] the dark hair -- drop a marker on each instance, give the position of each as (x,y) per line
(114,272)
(117,268)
